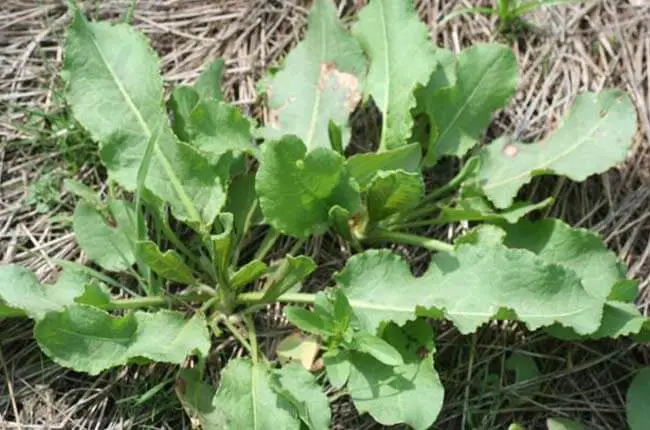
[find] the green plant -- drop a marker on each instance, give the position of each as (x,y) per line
(510,13)
(185,201)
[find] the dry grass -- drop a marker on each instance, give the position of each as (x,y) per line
(587,46)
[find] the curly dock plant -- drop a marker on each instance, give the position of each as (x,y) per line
(193,182)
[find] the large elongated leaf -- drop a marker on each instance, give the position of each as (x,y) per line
(89,340)
(196,397)
(595,136)
(486,79)
(401,57)
(297,189)
(248,401)
(111,247)
(20,289)
(469,287)
(115,92)
(320,81)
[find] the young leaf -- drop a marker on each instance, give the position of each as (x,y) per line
(577,249)
(338,367)
(222,245)
(111,247)
(208,85)
(307,321)
(492,277)
(378,348)
(301,389)
(411,393)
(364,167)
(393,36)
(248,401)
(89,340)
(525,370)
(291,271)
(248,273)
(243,205)
(319,82)
(297,189)
(393,192)
(20,289)
(169,265)
(594,136)
(111,72)
(638,413)
(486,79)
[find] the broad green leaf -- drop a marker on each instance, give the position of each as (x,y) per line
(300,348)
(20,289)
(393,192)
(290,272)
(516,426)
(469,287)
(208,85)
(378,348)
(401,57)
(89,340)
(625,290)
(364,167)
(595,135)
(320,82)
(169,265)
(484,234)
(302,390)
(563,424)
(411,393)
(307,321)
(115,91)
(248,400)
(94,294)
(109,246)
(297,189)
(338,367)
(577,249)
(637,405)
(243,205)
(486,79)
(248,273)
(196,397)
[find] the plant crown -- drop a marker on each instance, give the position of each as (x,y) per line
(190,196)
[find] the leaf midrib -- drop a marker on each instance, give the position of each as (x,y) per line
(384,128)
(169,172)
(317,92)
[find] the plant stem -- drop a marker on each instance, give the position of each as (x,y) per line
(468,169)
(160,301)
(410,239)
(235,332)
(269,240)
(256,297)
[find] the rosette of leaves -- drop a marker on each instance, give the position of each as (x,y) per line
(176,265)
